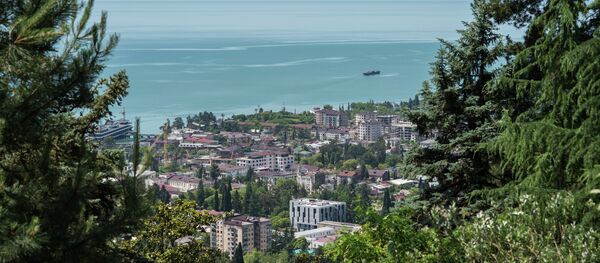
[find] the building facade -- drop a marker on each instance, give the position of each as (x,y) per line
(274,161)
(404,130)
(251,232)
(306,213)
(370,131)
(329,118)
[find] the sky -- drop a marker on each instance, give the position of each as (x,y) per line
(285,19)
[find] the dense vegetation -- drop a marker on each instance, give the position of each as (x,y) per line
(517,153)
(517,145)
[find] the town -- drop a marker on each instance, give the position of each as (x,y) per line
(276,177)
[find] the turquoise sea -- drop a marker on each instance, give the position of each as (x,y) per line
(230,57)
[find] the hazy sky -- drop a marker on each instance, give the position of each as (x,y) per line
(312,19)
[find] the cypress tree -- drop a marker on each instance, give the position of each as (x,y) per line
(238,254)
(226,191)
(387,202)
(236,202)
(217,206)
(200,194)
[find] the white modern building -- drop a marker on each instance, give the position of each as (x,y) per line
(306,213)
(274,161)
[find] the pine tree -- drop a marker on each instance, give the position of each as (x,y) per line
(62,199)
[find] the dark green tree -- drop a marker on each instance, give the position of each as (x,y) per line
(236,202)
(250,174)
(457,109)
(238,254)
(387,202)
(178,123)
(61,199)
(214,172)
(217,206)
(200,194)
(226,191)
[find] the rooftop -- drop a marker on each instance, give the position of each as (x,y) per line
(316,202)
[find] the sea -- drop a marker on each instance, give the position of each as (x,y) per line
(231,57)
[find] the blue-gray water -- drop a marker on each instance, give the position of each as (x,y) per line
(228,57)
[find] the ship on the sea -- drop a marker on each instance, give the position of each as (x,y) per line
(116,129)
(372,73)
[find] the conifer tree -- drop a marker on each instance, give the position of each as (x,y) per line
(387,202)
(226,191)
(217,206)
(238,254)
(61,199)
(457,110)
(200,194)
(236,202)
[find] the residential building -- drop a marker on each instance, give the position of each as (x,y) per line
(364,117)
(379,175)
(329,118)
(251,232)
(346,177)
(232,170)
(306,213)
(370,131)
(305,175)
(267,160)
(404,130)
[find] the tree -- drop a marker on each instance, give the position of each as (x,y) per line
(178,123)
(237,202)
(363,173)
(226,202)
(251,201)
(156,241)
(238,255)
(61,198)
(200,194)
(214,172)
(216,205)
(387,202)
(457,108)
(165,196)
(200,173)
(250,174)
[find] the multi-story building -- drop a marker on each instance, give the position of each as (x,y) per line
(370,131)
(306,176)
(364,117)
(267,160)
(248,231)
(329,118)
(387,119)
(306,213)
(406,131)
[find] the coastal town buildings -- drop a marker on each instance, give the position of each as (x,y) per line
(370,131)
(267,160)
(306,213)
(249,231)
(329,118)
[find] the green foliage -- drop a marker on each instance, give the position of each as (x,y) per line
(61,198)
(393,238)
(238,255)
(156,240)
(545,227)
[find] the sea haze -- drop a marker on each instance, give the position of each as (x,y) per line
(229,57)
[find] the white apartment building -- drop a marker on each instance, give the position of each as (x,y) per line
(370,131)
(274,161)
(328,118)
(406,131)
(306,213)
(364,117)
(251,232)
